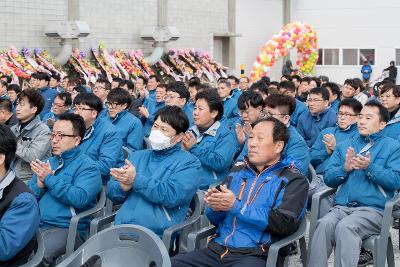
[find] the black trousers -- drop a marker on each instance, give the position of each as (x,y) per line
(208,258)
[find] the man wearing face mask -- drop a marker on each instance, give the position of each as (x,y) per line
(156,186)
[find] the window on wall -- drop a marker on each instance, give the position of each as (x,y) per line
(331,56)
(350,56)
(320,56)
(367,55)
(397,51)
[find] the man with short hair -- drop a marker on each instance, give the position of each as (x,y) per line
(260,201)
(7,116)
(231,113)
(101,141)
(40,81)
(61,104)
(3,90)
(366,171)
(153,108)
(306,84)
(55,83)
(244,83)
(334,95)
(288,88)
(178,95)
(318,117)
(32,134)
(101,89)
(66,184)
(152,84)
(353,89)
(236,92)
(389,96)
(19,211)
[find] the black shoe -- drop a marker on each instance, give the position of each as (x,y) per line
(366,258)
(293,249)
(396,223)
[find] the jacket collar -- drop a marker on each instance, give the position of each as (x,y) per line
(282,163)
(70,154)
(371,138)
(350,128)
(6,182)
(395,119)
(212,131)
(319,116)
(90,130)
(120,115)
(167,151)
(30,125)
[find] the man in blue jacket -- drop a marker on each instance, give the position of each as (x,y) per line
(41,82)
(231,112)
(67,184)
(236,92)
(288,88)
(101,141)
(389,96)
(334,95)
(129,127)
(61,104)
(259,202)
(19,211)
(156,186)
(153,106)
(318,117)
(178,95)
(366,71)
(366,171)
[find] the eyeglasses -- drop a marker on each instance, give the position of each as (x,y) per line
(58,105)
(60,136)
(80,109)
(112,104)
(386,96)
(269,114)
(171,97)
(314,100)
(340,115)
(100,87)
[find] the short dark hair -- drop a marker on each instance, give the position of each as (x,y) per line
(265,80)
(41,76)
(66,97)
(296,77)
(3,83)
(306,79)
(35,99)
(195,79)
(79,89)
(333,87)
(383,112)
(279,132)
(78,124)
(352,103)
(143,79)
(14,87)
(250,98)
(106,83)
(288,85)
(73,82)
(390,86)
(195,84)
(55,76)
(283,102)
(128,83)
(352,83)
(162,85)
(8,78)
(117,79)
(120,96)
(213,100)
(6,105)
(287,77)
(154,77)
(179,88)
(260,86)
(317,81)
(90,100)
(225,81)
(233,77)
(359,84)
(320,91)
(8,145)
(324,78)
(175,117)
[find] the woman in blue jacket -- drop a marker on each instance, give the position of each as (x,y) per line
(157,185)
(209,140)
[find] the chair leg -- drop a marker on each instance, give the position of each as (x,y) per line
(390,253)
(303,251)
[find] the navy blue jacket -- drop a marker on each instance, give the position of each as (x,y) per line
(299,110)
(48,95)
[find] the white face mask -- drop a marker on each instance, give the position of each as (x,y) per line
(159,141)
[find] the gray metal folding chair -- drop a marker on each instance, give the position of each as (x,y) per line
(380,245)
(121,246)
(39,252)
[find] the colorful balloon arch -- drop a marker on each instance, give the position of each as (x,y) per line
(293,35)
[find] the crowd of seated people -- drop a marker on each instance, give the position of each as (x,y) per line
(249,147)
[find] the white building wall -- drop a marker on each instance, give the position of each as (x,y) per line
(353,24)
(256,21)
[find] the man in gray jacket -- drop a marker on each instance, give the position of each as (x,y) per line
(32,135)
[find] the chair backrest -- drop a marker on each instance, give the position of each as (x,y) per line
(312,174)
(39,252)
(122,245)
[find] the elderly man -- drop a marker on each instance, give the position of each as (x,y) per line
(259,202)
(66,184)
